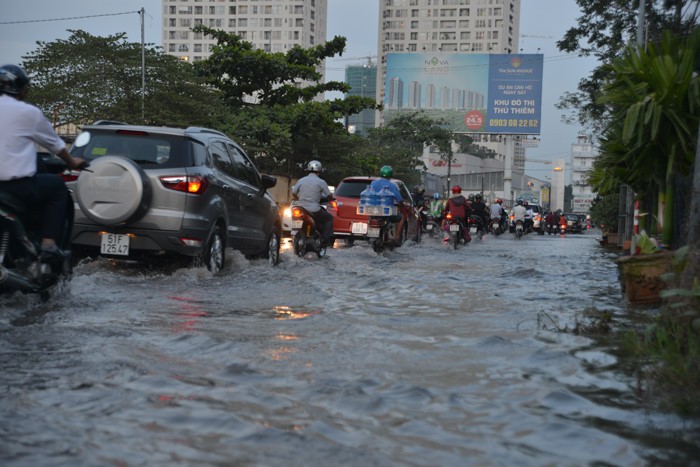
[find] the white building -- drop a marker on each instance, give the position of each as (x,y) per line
(583,154)
(270,25)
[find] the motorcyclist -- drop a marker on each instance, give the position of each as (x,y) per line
(519,213)
(386,173)
(497,211)
(22,128)
(479,208)
(529,216)
(459,207)
(308,192)
(437,205)
(418,196)
(550,221)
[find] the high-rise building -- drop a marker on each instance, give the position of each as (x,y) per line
(363,82)
(272,25)
(445,26)
(583,154)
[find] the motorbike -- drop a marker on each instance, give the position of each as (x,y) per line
(498,226)
(552,229)
(519,228)
(21,268)
(476,227)
(457,231)
(305,236)
(432,227)
(381,230)
(562,228)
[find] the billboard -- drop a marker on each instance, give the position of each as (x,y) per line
(474,93)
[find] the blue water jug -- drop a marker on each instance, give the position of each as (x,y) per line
(365,196)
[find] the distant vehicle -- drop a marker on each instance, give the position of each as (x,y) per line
(573,223)
(169,191)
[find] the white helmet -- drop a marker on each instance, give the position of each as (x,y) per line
(314,166)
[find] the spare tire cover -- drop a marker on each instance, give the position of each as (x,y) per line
(115,191)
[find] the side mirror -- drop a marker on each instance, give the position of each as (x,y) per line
(269,181)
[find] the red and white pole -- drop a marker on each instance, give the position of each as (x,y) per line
(635,229)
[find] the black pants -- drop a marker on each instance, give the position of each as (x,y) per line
(324,223)
(45,192)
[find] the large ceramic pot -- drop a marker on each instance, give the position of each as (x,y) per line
(641,276)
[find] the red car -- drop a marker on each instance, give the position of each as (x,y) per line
(350,226)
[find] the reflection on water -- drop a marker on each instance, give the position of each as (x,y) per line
(421,356)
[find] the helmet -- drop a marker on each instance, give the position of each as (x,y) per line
(471,197)
(499,201)
(436,195)
(478,197)
(456,189)
(520,202)
(13,79)
(314,166)
(525,204)
(386,171)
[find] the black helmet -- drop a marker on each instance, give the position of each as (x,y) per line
(13,79)
(478,197)
(520,202)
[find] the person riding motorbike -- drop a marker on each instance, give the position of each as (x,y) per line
(23,127)
(386,173)
(437,205)
(479,208)
(519,213)
(419,201)
(308,192)
(497,211)
(529,217)
(459,207)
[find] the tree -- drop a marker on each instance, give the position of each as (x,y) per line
(604,30)
(93,78)
(400,143)
(654,101)
(281,124)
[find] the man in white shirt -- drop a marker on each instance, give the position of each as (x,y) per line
(22,127)
(308,192)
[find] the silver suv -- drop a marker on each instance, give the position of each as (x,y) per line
(155,190)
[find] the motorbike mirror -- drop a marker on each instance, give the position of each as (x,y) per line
(82,139)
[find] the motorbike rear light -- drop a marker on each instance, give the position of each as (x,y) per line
(333,205)
(297,213)
(70,175)
(448,216)
(375,222)
(193,184)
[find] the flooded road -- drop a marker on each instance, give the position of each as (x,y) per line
(420,356)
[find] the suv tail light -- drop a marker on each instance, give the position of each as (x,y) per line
(333,204)
(193,184)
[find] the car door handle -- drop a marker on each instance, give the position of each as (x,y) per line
(250,195)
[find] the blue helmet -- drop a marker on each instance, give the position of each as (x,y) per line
(436,195)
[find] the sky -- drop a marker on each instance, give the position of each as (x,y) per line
(542,24)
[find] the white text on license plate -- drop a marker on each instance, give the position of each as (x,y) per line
(454,227)
(114,244)
(359,228)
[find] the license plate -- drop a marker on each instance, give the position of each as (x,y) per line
(454,227)
(373,232)
(297,224)
(114,244)
(472,230)
(429,227)
(359,228)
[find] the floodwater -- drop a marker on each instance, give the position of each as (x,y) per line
(422,356)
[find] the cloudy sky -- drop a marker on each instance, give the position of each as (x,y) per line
(542,23)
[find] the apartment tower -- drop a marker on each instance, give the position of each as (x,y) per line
(446,26)
(270,25)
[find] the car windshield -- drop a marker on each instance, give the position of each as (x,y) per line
(146,149)
(351,188)
(572,217)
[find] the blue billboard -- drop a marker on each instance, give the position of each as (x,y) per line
(473,93)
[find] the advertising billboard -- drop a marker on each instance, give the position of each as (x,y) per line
(474,93)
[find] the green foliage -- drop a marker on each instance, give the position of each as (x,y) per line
(605,28)
(87,78)
(605,211)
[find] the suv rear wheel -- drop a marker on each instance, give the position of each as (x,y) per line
(213,255)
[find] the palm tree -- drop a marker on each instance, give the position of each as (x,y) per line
(654,102)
